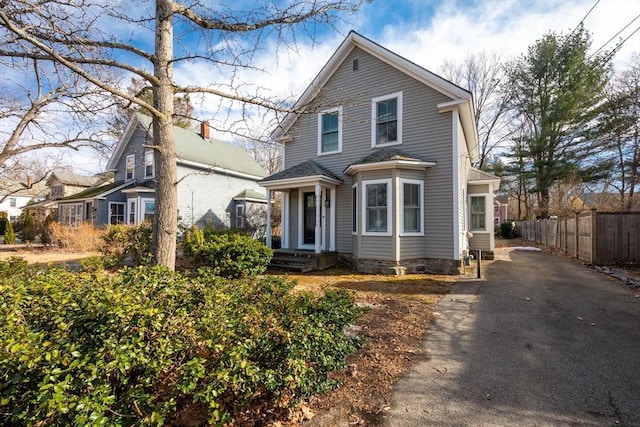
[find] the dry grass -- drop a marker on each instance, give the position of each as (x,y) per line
(401,311)
(80,238)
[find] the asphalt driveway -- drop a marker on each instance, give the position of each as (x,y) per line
(541,341)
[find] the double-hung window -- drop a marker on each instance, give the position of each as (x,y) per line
(130,165)
(240,215)
(149,167)
(330,131)
(478,213)
(377,207)
(116,213)
(386,120)
(412,207)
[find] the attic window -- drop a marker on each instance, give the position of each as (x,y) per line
(355,64)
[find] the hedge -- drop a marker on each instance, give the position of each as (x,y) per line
(145,345)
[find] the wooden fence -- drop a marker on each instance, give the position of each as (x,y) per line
(595,237)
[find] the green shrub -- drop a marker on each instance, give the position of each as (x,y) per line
(3,223)
(138,347)
(28,233)
(13,266)
(122,241)
(9,234)
(92,264)
(45,230)
(508,230)
(230,254)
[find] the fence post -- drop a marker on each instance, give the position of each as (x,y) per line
(594,232)
(577,237)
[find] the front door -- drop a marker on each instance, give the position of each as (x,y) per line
(309,225)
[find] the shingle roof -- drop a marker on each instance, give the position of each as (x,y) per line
(305,169)
(389,154)
(70,178)
(250,194)
(192,147)
(92,192)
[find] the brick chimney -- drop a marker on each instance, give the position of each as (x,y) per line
(204,129)
(29,181)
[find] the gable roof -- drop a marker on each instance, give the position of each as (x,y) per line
(461,99)
(194,150)
(67,177)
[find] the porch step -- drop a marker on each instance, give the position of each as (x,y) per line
(302,261)
(301,264)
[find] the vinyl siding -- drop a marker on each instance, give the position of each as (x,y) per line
(481,189)
(480,240)
(135,146)
(209,196)
(426,132)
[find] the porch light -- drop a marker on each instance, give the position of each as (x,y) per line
(327,203)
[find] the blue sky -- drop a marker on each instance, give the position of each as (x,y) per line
(427,32)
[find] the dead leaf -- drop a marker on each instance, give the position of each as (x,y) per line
(579,318)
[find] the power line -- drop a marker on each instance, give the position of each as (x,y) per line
(614,36)
(583,19)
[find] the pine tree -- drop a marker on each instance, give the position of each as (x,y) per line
(9,235)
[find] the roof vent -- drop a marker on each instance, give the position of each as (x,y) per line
(355,64)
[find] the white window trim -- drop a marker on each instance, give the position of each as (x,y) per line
(142,209)
(389,208)
(420,232)
(354,200)
(374,119)
(126,167)
(320,114)
(243,208)
(79,213)
(124,212)
(133,202)
(153,163)
(488,218)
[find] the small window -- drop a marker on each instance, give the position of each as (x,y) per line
(478,213)
(240,216)
(12,202)
(149,209)
(412,218)
(354,208)
(149,169)
(130,166)
(355,64)
(116,213)
(132,212)
(386,120)
(377,207)
(330,131)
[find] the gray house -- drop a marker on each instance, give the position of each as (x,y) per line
(377,167)
(217,182)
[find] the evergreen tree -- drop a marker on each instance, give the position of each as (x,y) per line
(29,230)
(9,235)
(554,90)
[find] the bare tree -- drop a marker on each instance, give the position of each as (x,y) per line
(95,38)
(33,110)
(482,74)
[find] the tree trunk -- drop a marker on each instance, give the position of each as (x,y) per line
(166,216)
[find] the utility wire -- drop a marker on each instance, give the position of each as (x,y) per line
(614,36)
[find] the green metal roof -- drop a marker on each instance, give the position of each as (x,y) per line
(190,146)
